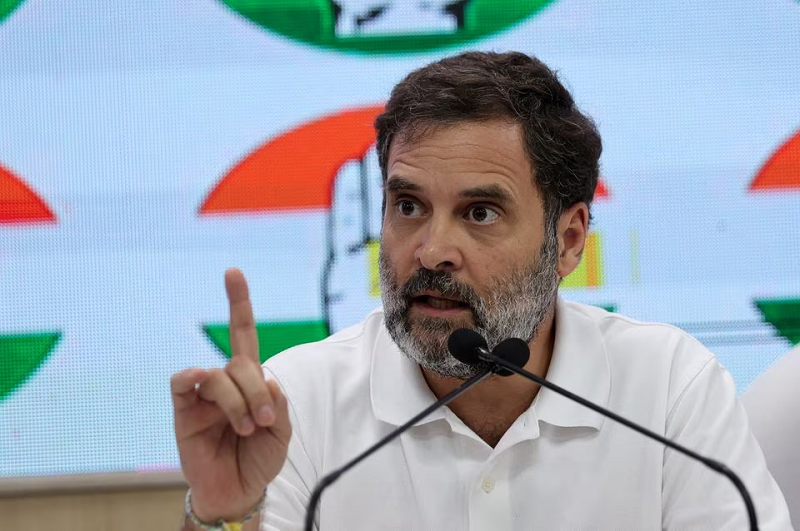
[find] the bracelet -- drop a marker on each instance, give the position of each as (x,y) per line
(220,525)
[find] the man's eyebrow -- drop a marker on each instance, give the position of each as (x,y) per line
(399,184)
(490,191)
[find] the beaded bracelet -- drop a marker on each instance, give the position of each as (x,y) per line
(220,525)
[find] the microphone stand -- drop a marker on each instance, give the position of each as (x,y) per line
(486,356)
(328,479)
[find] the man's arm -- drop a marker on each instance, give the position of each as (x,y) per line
(707,417)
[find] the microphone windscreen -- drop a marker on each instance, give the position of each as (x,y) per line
(463,345)
(513,350)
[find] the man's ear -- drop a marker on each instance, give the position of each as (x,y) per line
(573,227)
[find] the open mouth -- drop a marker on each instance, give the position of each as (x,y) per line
(440,303)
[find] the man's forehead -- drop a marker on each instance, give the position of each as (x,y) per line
(492,146)
(421,133)
(484,159)
(485,190)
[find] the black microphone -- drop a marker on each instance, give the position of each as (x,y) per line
(473,350)
(489,367)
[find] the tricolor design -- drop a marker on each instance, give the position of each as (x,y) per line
(21,353)
(781,174)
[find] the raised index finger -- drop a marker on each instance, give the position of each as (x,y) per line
(244,340)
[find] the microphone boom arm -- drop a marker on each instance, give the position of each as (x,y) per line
(331,477)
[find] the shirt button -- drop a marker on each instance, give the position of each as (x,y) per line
(487,485)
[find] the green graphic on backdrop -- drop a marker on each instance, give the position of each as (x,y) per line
(784,315)
(387,26)
(21,355)
(272,337)
(7,6)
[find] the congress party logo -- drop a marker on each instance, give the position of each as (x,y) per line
(21,353)
(342,178)
(284,175)
(7,6)
(387,26)
(781,174)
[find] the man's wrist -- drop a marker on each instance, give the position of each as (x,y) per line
(220,524)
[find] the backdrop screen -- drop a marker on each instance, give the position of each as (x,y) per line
(147,146)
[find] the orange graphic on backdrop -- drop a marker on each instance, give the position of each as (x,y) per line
(782,170)
(20,204)
(296,170)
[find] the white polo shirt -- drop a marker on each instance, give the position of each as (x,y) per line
(559,467)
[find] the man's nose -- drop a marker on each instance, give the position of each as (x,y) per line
(439,248)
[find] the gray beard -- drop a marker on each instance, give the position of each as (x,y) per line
(516,306)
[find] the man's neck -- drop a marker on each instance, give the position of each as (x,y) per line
(492,406)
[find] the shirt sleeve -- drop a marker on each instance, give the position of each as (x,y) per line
(284,507)
(707,417)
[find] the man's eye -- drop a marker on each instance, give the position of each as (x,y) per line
(408,208)
(482,215)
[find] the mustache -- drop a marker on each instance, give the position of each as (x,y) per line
(441,282)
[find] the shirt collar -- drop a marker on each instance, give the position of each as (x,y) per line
(579,364)
(397,388)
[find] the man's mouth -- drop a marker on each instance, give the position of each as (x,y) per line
(440,303)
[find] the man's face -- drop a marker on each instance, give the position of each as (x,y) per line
(464,243)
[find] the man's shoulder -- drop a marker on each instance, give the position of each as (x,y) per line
(651,354)
(633,337)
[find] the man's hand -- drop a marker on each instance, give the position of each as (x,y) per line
(232,426)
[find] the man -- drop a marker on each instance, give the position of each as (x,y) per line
(489,172)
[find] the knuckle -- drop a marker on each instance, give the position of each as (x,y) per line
(215,374)
(262,398)
(238,364)
(235,407)
(257,393)
(212,382)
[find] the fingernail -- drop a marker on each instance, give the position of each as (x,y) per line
(266,414)
(247,425)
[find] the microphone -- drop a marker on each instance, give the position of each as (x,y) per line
(489,367)
(473,350)
(463,344)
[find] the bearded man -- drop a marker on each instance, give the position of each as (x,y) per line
(489,172)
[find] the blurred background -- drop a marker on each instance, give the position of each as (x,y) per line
(147,146)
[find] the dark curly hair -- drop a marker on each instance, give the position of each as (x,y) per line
(563,144)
